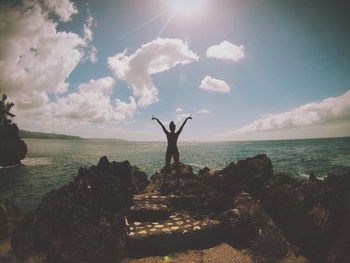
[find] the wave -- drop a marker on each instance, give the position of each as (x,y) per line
(11,166)
(37,161)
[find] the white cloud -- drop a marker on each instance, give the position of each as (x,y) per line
(333,110)
(35,58)
(63,8)
(152,58)
(204,111)
(92,103)
(92,54)
(88,36)
(179,110)
(226,51)
(125,110)
(214,85)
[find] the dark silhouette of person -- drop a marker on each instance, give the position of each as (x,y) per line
(172,137)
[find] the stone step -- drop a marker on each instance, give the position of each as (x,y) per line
(179,232)
(149,208)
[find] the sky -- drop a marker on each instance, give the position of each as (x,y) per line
(244,69)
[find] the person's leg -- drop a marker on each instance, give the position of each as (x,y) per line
(167,159)
(167,163)
(177,164)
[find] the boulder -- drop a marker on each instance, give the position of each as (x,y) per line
(246,175)
(83,221)
(204,171)
(139,180)
(248,225)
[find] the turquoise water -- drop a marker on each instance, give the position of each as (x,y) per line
(52,163)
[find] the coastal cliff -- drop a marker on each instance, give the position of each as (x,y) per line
(112,213)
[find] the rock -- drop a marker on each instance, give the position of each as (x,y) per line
(198,198)
(190,191)
(203,171)
(12,148)
(8,216)
(83,221)
(167,179)
(148,208)
(312,177)
(340,247)
(248,225)
(276,217)
(139,180)
(311,213)
(4,226)
(247,175)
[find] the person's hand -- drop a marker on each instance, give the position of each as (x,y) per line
(189,117)
(153,118)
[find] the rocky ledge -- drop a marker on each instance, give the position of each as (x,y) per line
(112,213)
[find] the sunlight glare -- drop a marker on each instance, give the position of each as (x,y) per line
(185,7)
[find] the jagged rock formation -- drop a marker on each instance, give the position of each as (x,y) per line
(80,222)
(248,225)
(12,148)
(201,215)
(272,217)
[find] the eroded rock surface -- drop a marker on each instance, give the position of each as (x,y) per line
(275,217)
(80,222)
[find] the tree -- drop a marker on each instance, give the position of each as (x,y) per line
(5,107)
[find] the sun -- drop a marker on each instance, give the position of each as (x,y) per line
(185,7)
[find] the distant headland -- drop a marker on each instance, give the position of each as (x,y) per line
(58,136)
(43,135)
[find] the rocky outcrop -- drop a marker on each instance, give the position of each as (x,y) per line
(313,214)
(248,225)
(273,216)
(80,222)
(247,175)
(139,180)
(190,191)
(12,148)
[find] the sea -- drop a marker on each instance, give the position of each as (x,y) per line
(51,163)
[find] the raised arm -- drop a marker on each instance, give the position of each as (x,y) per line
(183,124)
(161,124)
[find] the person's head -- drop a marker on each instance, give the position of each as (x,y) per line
(172,126)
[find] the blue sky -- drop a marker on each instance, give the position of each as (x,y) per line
(296,53)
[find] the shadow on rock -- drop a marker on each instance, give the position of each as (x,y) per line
(80,222)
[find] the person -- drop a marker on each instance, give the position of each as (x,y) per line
(172,137)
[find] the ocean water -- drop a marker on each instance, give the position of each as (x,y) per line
(52,163)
